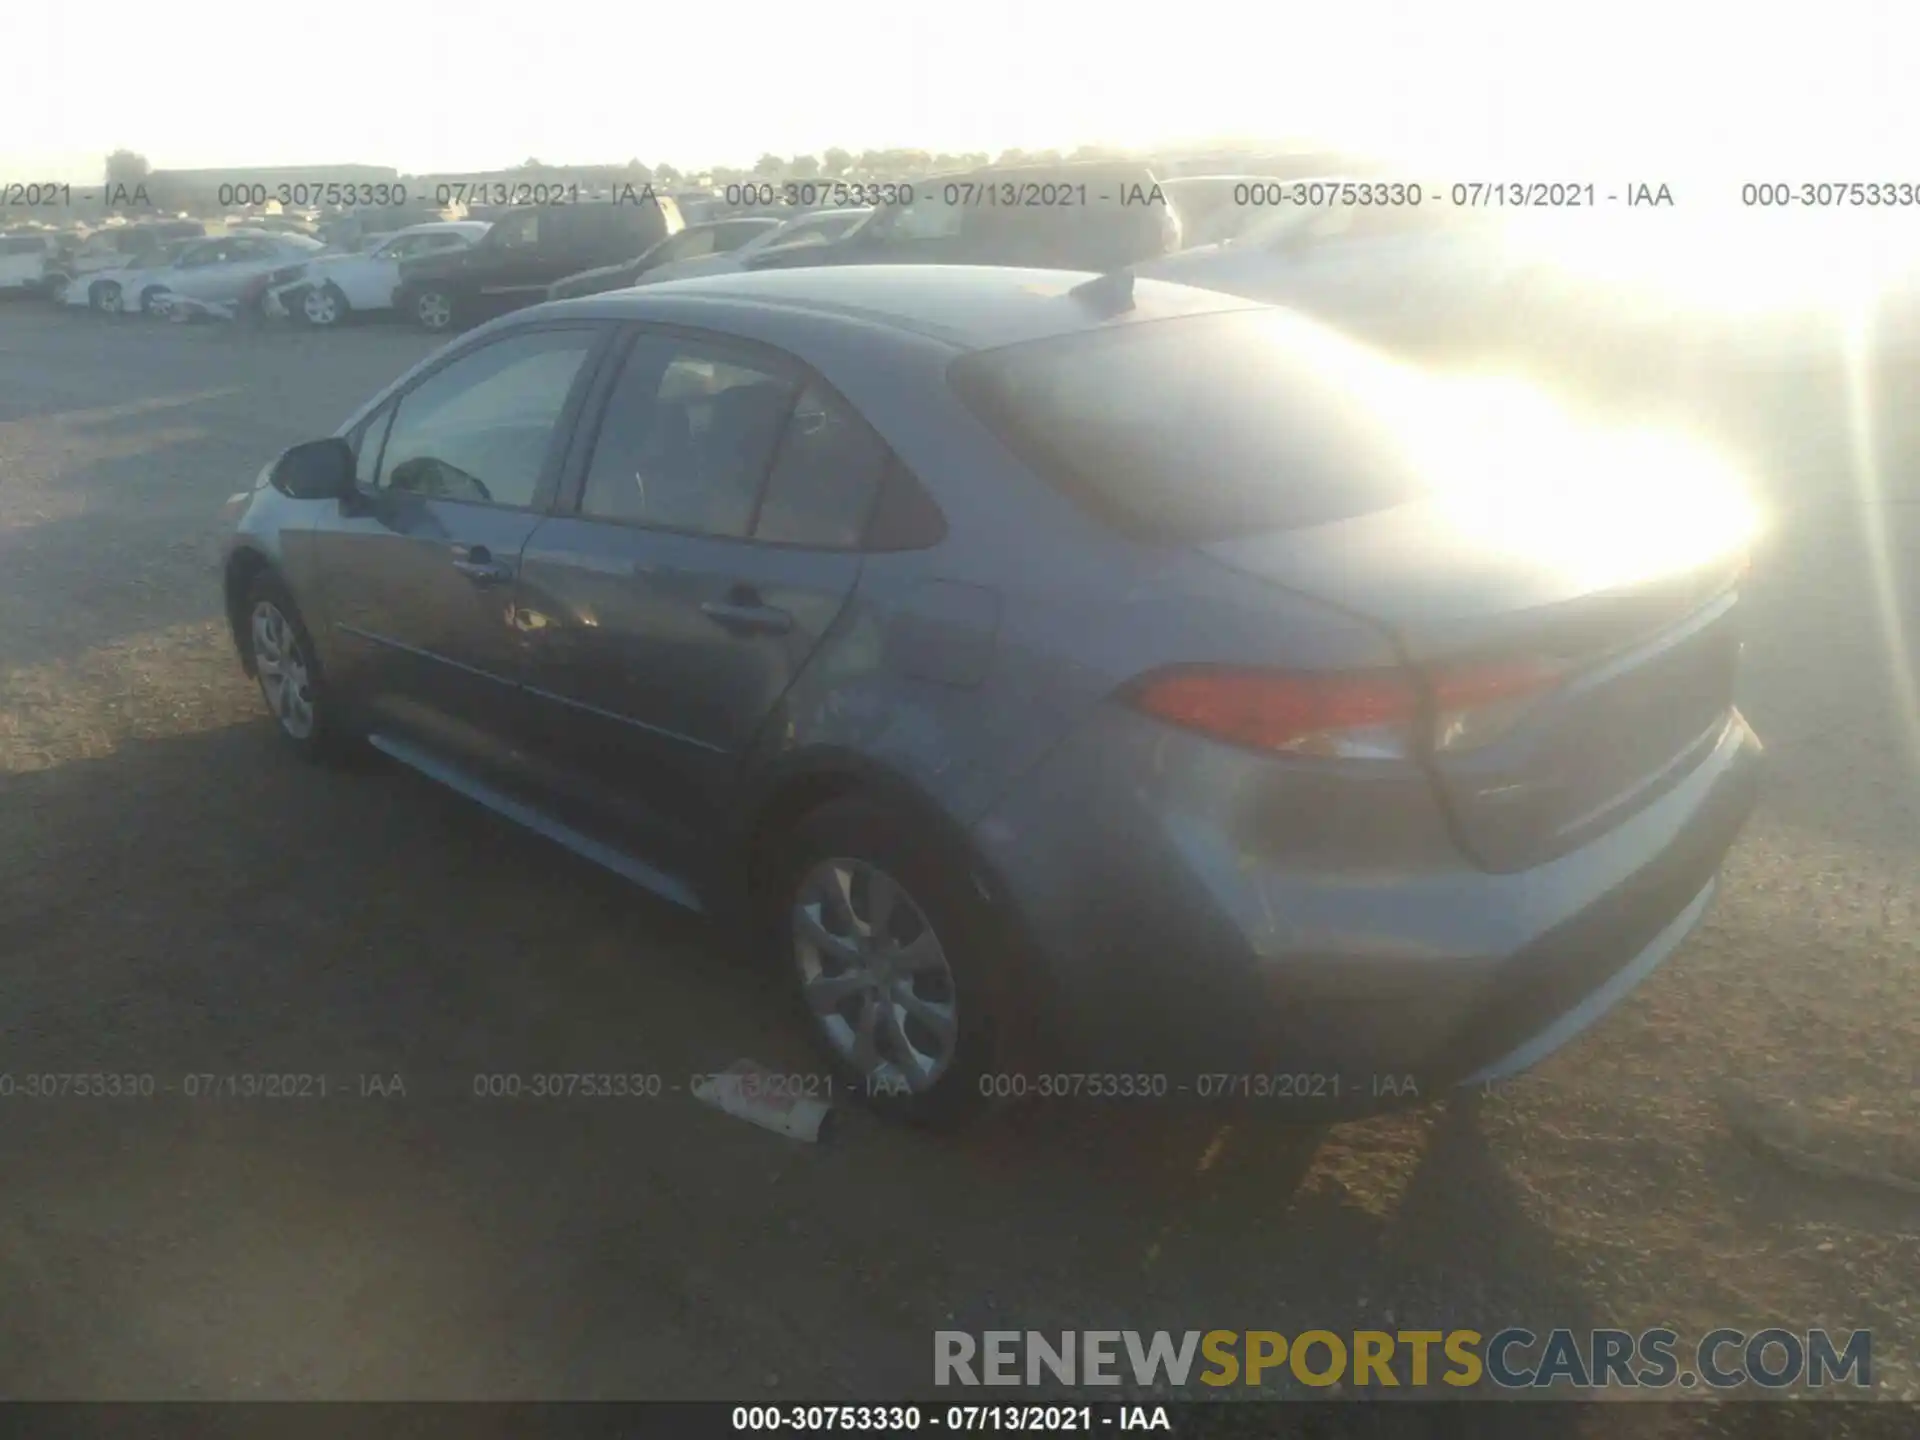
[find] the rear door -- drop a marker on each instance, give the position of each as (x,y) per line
(418,574)
(714,540)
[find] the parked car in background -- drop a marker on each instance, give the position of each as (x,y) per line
(325,290)
(1213,208)
(526,251)
(115,246)
(108,292)
(697,207)
(27,262)
(714,240)
(1094,215)
(217,271)
(1049,670)
(819,227)
(1463,287)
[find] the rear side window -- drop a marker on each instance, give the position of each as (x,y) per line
(825,476)
(1204,427)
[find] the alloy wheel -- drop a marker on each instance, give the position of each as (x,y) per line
(874,975)
(281,664)
(321,307)
(435,310)
(107,299)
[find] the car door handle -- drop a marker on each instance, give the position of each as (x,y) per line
(476,562)
(746,615)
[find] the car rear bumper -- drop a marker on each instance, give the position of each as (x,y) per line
(1163,942)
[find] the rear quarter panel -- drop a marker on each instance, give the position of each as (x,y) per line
(961,666)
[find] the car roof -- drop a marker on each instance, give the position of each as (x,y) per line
(967,307)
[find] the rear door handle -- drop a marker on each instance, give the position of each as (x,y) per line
(748,616)
(476,562)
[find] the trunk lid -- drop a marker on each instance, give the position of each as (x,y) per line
(1633,610)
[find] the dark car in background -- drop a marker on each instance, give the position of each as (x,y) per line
(696,242)
(1096,215)
(525,252)
(1213,208)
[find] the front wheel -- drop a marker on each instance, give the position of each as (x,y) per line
(889,948)
(151,302)
(324,307)
(105,297)
(287,670)
(434,309)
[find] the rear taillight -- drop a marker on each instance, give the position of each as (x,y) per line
(1358,715)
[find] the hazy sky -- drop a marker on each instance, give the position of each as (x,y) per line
(1824,94)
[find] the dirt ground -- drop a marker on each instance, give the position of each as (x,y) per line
(179,898)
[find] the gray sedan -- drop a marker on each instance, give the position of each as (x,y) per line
(1076,686)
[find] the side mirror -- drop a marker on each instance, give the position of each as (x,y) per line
(316,470)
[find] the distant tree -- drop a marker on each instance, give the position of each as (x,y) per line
(666,174)
(872,161)
(1013,157)
(1044,157)
(128,168)
(974,158)
(769,164)
(944,161)
(835,161)
(530,163)
(637,171)
(803,167)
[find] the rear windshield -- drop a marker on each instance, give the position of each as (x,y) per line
(1204,427)
(23,245)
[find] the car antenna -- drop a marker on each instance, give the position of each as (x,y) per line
(1111,293)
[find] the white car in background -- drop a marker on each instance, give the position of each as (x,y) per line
(219,274)
(26,262)
(821,227)
(119,287)
(325,290)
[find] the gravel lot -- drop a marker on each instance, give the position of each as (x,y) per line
(176,897)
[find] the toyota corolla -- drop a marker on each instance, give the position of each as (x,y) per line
(1051,672)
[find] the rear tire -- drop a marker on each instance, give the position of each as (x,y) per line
(148,299)
(435,310)
(104,298)
(286,667)
(890,953)
(324,307)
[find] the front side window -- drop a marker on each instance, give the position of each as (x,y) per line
(688,245)
(686,440)
(479,429)
(928,217)
(516,232)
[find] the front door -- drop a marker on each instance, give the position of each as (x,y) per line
(715,540)
(419,573)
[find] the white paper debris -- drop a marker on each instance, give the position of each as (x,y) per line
(749,1091)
